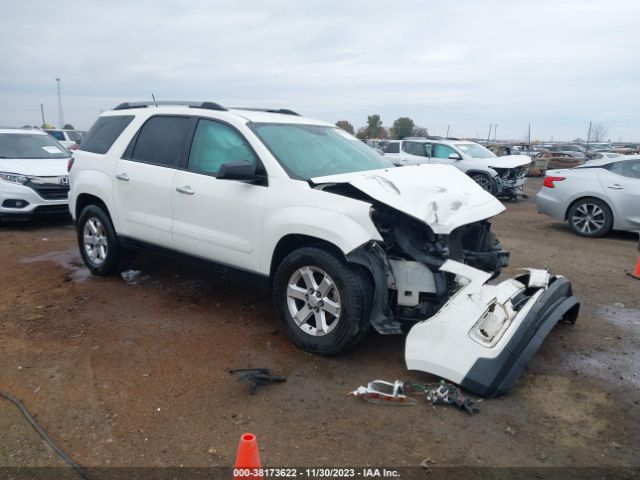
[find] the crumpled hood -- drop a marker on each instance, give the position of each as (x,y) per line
(508,161)
(439,195)
(41,167)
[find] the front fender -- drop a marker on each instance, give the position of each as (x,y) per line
(94,183)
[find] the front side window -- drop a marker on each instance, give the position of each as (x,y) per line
(162,141)
(442,151)
(626,168)
(29,145)
(308,151)
(104,132)
(215,143)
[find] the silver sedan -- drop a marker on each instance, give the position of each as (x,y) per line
(594,198)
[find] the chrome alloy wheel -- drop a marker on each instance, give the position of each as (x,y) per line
(484,182)
(588,218)
(95,241)
(314,301)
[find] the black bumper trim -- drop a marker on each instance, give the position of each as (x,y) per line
(491,377)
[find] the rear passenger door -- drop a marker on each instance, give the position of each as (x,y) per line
(219,220)
(143,178)
(621,183)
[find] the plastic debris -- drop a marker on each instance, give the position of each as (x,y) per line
(256,377)
(381,392)
(133,276)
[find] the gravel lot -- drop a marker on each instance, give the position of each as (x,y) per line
(134,374)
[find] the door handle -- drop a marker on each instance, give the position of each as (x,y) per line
(123,176)
(186,190)
(616,186)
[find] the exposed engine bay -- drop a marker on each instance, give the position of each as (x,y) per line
(510,182)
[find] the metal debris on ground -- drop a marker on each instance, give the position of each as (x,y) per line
(387,393)
(133,276)
(256,377)
(381,392)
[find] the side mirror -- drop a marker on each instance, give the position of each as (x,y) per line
(455,156)
(240,170)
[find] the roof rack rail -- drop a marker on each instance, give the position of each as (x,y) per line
(283,111)
(151,103)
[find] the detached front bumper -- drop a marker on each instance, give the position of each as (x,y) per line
(485,335)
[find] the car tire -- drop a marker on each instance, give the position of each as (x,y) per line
(328,281)
(485,181)
(98,241)
(590,217)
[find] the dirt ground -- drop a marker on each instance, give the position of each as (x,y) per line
(134,374)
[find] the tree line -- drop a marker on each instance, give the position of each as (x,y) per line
(402,127)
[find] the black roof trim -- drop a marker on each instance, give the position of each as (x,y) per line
(145,104)
(283,111)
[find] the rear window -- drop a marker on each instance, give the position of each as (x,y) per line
(104,132)
(162,140)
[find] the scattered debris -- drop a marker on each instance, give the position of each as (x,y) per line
(382,392)
(133,276)
(510,431)
(387,393)
(256,377)
(619,305)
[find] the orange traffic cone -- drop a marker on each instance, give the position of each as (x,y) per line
(636,271)
(248,457)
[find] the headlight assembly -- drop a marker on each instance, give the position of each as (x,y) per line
(14,178)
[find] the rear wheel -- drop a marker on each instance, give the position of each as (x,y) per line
(590,217)
(97,241)
(323,302)
(484,181)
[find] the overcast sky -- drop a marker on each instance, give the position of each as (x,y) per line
(557,64)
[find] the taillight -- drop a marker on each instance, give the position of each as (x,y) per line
(70,164)
(548,181)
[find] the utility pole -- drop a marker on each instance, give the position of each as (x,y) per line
(529,138)
(42,112)
(489,134)
(60,116)
(447,131)
(588,137)
(495,132)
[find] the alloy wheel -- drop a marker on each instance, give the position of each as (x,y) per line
(588,218)
(95,241)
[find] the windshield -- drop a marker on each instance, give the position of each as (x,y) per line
(307,151)
(27,145)
(474,150)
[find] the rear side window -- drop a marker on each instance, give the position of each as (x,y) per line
(215,143)
(104,132)
(393,148)
(162,141)
(626,168)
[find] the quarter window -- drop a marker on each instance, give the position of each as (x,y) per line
(393,147)
(215,143)
(162,141)
(104,132)
(416,148)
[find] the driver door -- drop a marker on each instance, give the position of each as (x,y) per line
(441,154)
(219,220)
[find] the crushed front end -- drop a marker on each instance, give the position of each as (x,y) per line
(510,182)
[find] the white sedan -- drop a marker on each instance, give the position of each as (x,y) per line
(594,198)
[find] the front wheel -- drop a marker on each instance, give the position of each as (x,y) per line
(484,181)
(98,242)
(323,302)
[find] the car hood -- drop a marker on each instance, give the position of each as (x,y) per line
(42,167)
(439,195)
(508,161)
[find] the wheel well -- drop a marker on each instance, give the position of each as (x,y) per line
(85,199)
(289,243)
(566,214)
(479,172)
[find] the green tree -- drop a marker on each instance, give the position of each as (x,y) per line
(403,127)
(68,126)
(420,132)
(362,133)
(374,126)
(346,126)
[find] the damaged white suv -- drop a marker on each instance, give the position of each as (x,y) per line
(344,239)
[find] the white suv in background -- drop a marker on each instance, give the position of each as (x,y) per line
(502,176)
(33,174)
(342,238)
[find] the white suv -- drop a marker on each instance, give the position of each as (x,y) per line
(33,174)
(343,239)
(502,176)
